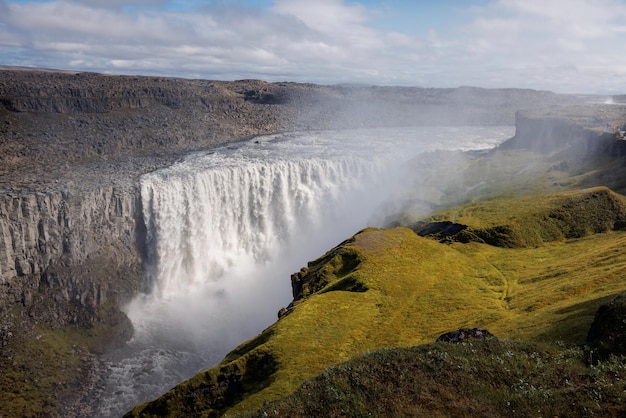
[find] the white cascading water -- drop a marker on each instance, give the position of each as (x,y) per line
(226,229)
(204,224)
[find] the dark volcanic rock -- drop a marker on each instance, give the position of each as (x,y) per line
(439,230)
(69,247)
(465,334)
(607,334)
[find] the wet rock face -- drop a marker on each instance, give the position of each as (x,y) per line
(607,334)
(465,334)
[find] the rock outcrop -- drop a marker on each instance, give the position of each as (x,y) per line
(574,131)
(68,261)
(465,334)
(607,335)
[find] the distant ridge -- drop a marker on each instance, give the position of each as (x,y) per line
(37,69)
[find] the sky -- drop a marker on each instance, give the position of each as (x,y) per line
(566,46)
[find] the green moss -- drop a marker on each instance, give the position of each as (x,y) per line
(329,272)
(47,367)
(211,393)
(40,369)
(532,220)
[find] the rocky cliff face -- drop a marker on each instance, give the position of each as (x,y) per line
(68,261)
(577,131)
(58,230)
(63,118)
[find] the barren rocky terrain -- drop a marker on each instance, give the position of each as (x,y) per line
(108,127)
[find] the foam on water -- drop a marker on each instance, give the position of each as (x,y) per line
(226,228)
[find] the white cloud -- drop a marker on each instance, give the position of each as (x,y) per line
(563,45)
(549,36)
(118,4)
(325,15)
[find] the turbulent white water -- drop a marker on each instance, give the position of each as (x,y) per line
(226,229)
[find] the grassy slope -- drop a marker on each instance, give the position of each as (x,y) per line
(419,288)
(480,378)
(46,365)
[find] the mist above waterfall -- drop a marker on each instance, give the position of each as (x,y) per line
(227,227)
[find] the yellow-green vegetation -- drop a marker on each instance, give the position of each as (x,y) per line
(478,379)
(531,220)
(47,363)
(410,289)
(48,369)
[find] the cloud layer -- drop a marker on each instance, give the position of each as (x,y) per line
(559,45)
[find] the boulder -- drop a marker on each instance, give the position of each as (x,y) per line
(607,334)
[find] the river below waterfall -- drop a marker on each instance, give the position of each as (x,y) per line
(227,227)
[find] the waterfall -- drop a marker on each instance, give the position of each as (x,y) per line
(205,224)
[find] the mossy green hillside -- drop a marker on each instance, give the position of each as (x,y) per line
(531,220)
(43,367)
(409,290)
(481,378)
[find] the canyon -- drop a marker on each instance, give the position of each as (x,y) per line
(73,146)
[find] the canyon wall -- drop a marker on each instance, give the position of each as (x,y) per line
(62,249)
(579,131)
(50,121)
